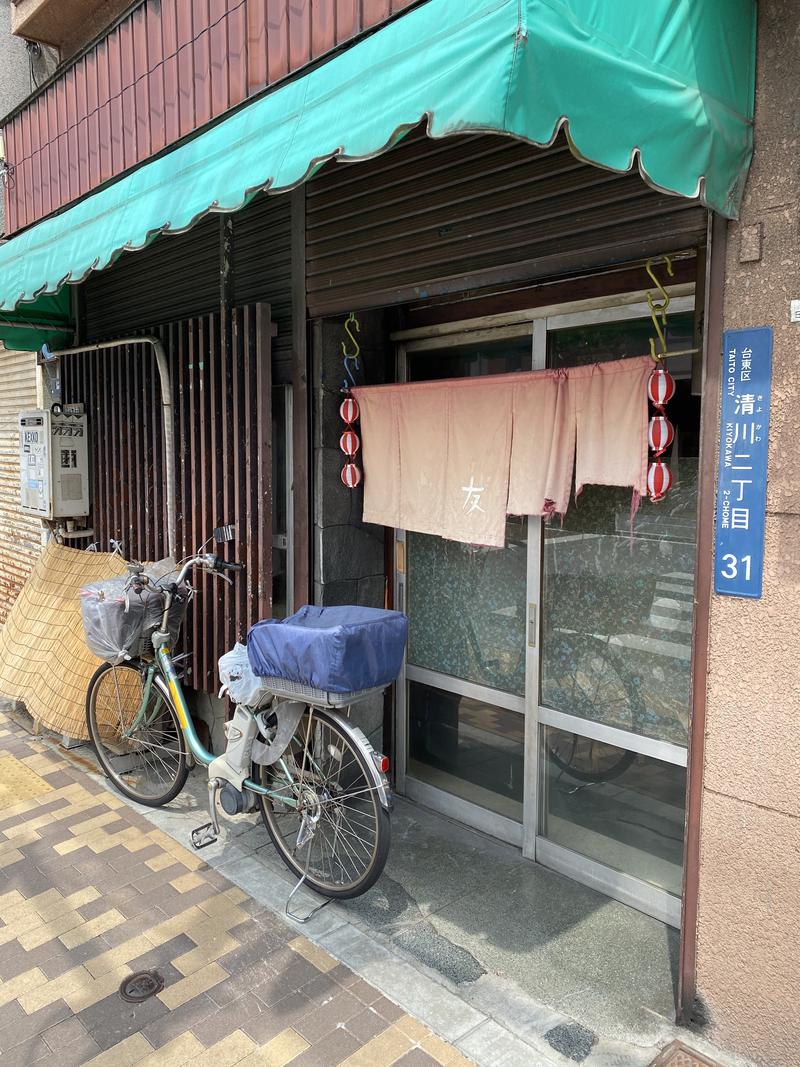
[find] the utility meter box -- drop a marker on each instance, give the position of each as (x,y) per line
(53,465)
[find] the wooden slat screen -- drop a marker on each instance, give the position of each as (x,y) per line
(222,384)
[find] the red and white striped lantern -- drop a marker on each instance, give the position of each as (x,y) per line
(659,480)
(349,410)
(349,442)
(351,475)
(660,434)
(660,388)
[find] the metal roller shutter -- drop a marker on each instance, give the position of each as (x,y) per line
(176,277)
(262,253)
(433,217)
(20,535)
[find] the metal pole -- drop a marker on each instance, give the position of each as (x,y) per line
(166,415)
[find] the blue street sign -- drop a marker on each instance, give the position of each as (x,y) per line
(742,487)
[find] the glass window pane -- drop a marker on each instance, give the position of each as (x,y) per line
(467,747)
(280,606)
(601,341)
(471,359)
(620,808)
(617,592)
(466,608)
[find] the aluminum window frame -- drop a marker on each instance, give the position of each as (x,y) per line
(658,903)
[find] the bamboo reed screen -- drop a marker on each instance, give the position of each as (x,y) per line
(44,661)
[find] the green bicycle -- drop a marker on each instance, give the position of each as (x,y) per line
(320,786)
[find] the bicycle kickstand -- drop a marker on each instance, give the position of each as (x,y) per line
(208,833)
(304,835)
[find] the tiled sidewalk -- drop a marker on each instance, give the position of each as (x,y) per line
(90,892)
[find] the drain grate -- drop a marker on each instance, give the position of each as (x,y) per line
(676,1054)
(141,986)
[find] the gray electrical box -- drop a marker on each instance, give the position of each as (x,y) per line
(53,465)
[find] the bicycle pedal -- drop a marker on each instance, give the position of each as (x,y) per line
(203,835)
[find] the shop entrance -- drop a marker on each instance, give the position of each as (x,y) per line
(545,698)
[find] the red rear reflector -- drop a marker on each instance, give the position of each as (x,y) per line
(383,764)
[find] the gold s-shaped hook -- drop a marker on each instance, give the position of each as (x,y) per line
(351,322)
(658,312)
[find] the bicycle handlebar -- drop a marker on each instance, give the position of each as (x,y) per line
(138,578)
(223,565)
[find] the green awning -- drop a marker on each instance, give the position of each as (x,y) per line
(666,87)
(47,320)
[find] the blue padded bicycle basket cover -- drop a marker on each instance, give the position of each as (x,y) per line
(337,649)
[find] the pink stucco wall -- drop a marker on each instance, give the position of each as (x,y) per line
(748,972)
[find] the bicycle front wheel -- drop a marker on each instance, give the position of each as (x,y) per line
(336,788)
(140,748)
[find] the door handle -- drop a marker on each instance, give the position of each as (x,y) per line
(532,625)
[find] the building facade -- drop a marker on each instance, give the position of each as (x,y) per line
(20,536)
(581,693)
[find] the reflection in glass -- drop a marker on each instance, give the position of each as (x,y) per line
(602,341)
(471,359)
(467,747)
(466,608)
(617,611)
(620,808)
(618,593)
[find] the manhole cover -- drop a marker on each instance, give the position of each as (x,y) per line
(676,1054)
(140,986)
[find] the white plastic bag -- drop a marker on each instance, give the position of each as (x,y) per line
(238,680)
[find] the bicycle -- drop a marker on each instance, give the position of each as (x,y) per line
(320,786)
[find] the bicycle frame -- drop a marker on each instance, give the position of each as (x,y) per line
(199,752)
(165,666)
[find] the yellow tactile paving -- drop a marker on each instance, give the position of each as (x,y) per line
(214,952)
(19,783)
(24,806)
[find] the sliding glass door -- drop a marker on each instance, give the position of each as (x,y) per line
(546,692)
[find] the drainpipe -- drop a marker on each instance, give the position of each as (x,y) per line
(166,414)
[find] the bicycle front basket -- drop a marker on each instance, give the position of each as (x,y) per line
(120,627)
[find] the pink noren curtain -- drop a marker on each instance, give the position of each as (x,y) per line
(453,458)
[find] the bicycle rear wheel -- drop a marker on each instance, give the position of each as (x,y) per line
(337,787)
(140,749)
